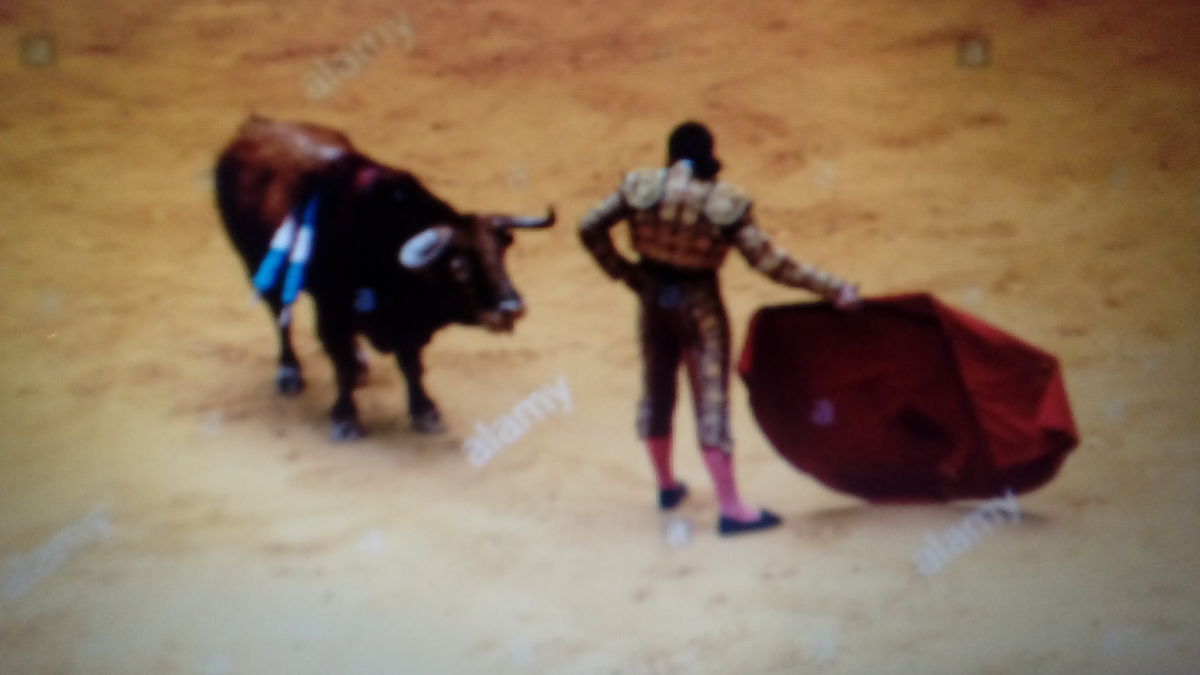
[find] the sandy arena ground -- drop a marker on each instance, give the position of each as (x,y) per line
(161,511)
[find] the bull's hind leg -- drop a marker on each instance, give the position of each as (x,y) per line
(421,409)
(289,380)
(337,336)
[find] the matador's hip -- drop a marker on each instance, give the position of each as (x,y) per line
(683,320)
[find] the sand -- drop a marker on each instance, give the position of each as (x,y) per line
(162,511)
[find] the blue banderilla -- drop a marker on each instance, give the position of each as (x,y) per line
(293,243)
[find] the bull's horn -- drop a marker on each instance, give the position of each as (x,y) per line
(426,247)
(527,222)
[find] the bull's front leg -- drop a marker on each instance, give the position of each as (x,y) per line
(421,409)
(336,331)
(289,380)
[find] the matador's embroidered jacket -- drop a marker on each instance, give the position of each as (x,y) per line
(683,228)
(691,224)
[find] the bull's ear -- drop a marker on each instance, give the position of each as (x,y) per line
(425,247)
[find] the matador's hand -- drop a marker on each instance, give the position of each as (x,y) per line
(847,297)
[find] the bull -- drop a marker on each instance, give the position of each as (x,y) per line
(387,259)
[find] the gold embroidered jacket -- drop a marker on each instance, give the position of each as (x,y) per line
(677,220)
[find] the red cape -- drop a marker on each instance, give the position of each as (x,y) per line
(906,399)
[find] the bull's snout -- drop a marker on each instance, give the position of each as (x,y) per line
(505,315)
(512,306)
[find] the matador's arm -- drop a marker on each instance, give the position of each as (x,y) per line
(594,232)
(776,264)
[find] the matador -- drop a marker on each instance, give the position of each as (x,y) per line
(682,222)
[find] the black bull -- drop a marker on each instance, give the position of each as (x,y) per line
(389,261)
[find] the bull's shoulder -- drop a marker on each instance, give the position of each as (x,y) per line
(643,188)
(307,145)
(726,204)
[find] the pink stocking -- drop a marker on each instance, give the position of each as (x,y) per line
(720,466)
(660,457)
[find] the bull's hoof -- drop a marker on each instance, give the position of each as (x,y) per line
(428,421)
(288,381)
(346,430)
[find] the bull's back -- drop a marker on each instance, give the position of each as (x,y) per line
(265,171)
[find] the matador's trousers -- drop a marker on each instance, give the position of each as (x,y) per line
(683,320)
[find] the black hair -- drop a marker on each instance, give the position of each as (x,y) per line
(694,142)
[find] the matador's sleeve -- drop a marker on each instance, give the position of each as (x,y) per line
(594,232)
(776,264)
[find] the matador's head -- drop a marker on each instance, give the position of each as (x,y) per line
(694,142)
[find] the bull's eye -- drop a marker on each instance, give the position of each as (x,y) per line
(506,239)
(461,269)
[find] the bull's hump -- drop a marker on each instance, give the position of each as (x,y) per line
(298,140)
(329,152)
(316,146)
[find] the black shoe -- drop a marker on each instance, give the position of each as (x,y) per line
(727,526)
(670,497)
